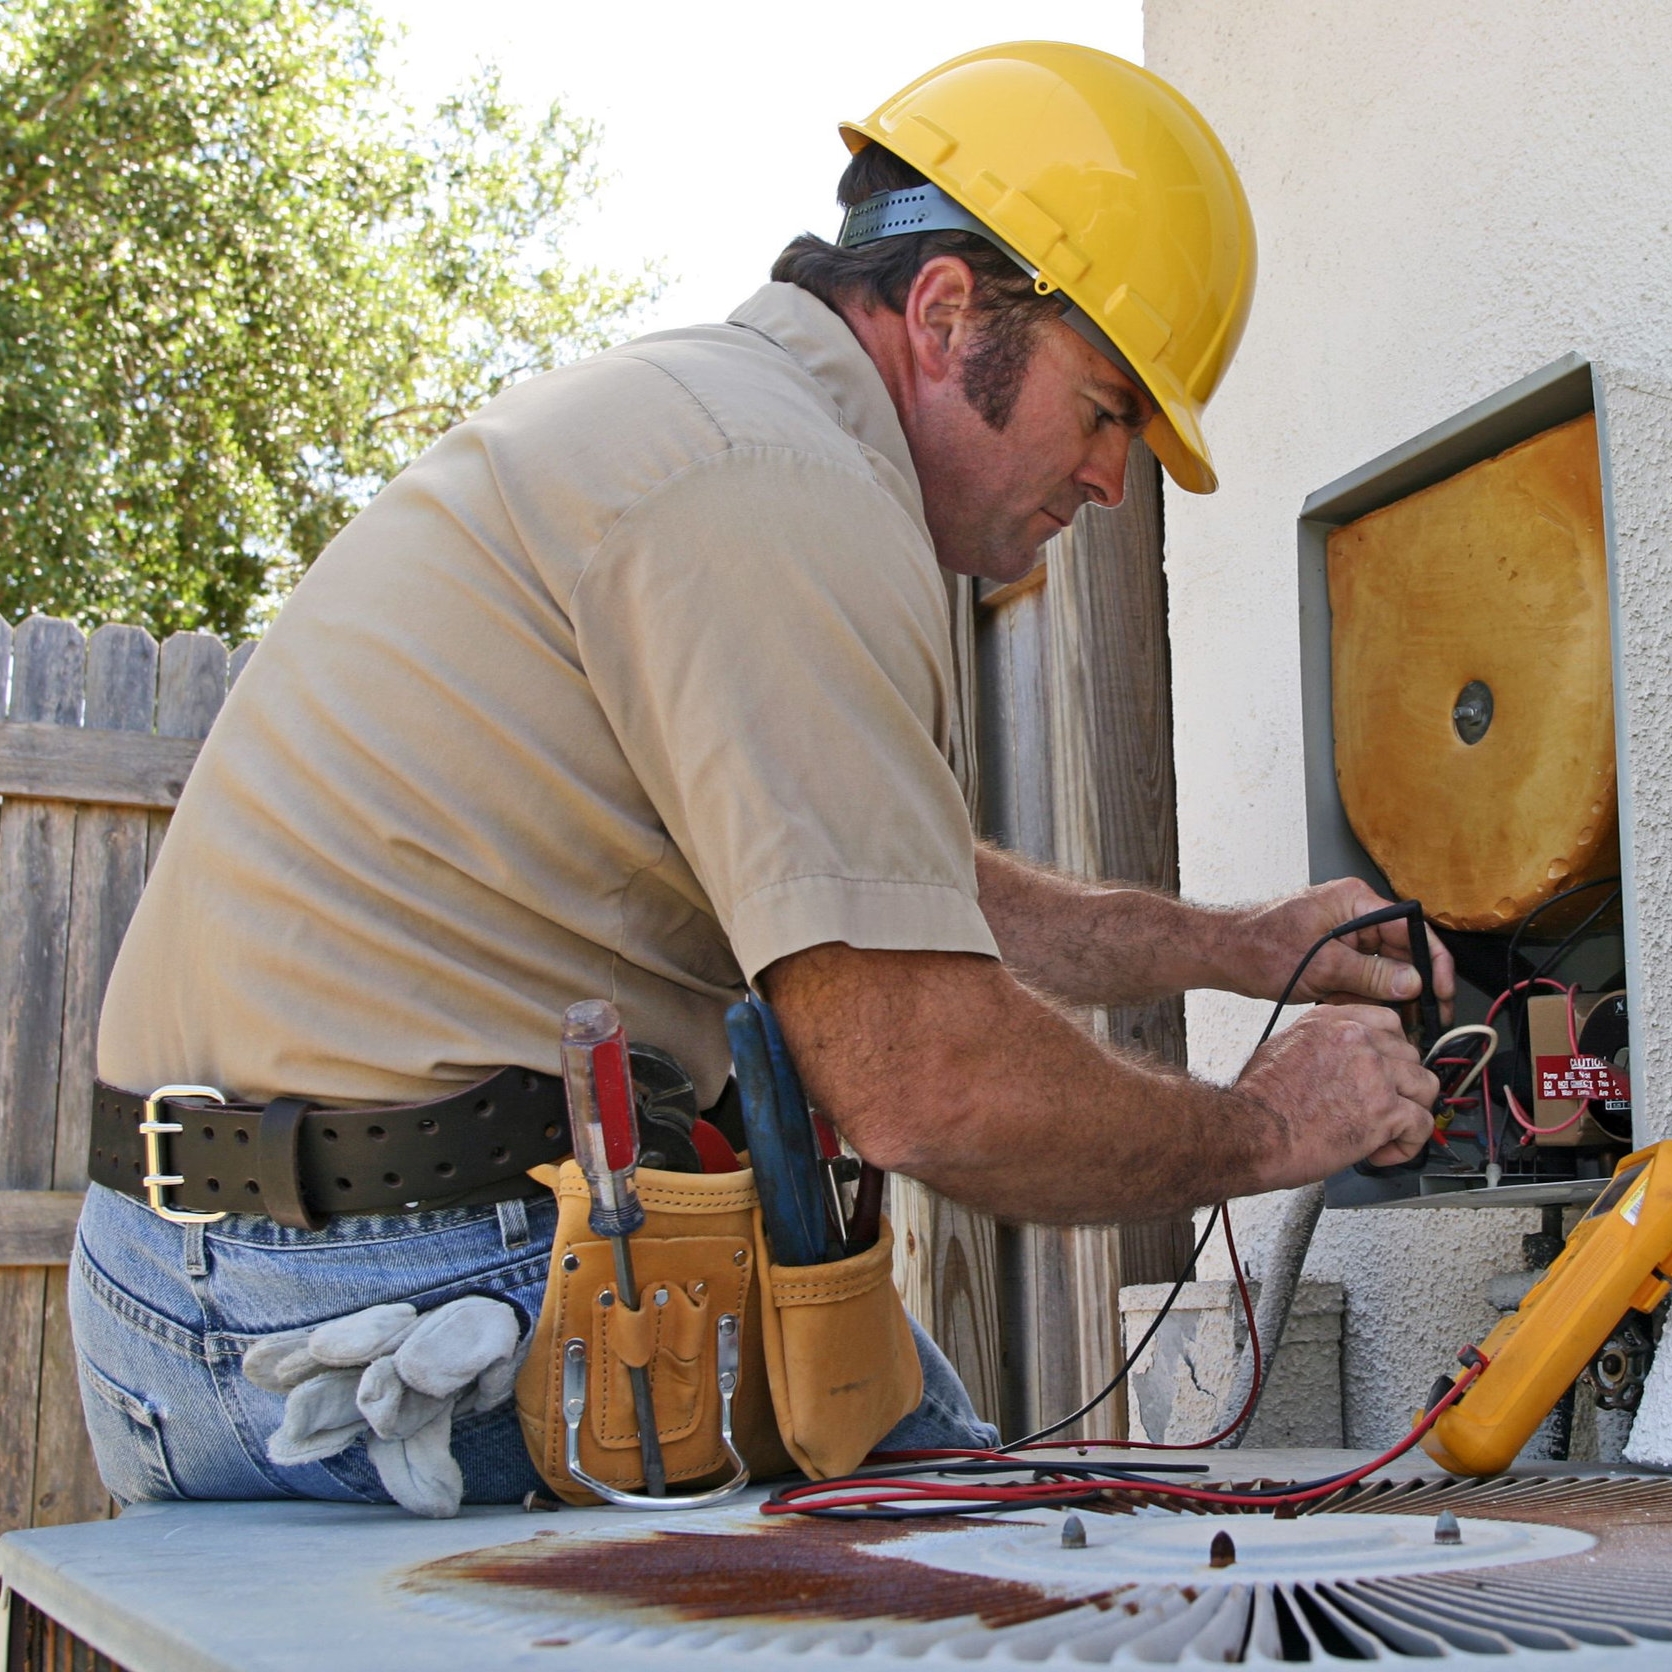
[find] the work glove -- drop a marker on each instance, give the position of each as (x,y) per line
(397,1377)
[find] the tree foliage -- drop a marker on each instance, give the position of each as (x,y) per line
(241,285)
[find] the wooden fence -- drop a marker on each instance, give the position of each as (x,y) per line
(97,738)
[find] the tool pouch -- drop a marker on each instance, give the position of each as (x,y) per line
(827,1364)
(839,1355)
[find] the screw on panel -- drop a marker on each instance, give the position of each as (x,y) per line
(1446,1529)
(1073,1533)
(1222,1553)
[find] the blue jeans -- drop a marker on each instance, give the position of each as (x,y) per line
(163,1315)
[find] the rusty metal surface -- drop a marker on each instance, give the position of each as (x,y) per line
(792,1568)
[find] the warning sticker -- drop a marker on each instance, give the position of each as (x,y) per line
(1582,1078)
(1632,1206)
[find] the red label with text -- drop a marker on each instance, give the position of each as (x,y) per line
(1585,1078)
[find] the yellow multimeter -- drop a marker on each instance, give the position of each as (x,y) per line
(1618,1260)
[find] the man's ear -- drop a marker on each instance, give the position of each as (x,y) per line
(940,315)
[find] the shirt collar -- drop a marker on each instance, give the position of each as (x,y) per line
(819,339)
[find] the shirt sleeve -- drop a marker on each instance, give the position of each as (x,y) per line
(767,634)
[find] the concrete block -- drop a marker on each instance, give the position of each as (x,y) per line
(1182,1375)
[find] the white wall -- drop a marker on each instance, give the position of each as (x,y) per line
(1447,197)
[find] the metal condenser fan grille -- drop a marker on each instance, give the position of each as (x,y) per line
(1577,1567)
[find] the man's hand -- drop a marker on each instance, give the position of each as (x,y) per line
(1342,1077)
(1106,943)
(1372,964)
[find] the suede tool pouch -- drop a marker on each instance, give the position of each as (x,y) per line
(840,1355)
(827,1360)
(697,1247)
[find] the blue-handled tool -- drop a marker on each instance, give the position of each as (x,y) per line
(779,1128)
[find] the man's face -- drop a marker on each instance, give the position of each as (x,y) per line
(993,496)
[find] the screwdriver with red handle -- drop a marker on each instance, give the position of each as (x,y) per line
(605,1132)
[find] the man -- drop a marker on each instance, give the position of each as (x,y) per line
(638,686)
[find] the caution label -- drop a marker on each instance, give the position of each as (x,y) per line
(1583,1079)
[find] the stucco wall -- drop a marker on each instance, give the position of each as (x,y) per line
(1447,198)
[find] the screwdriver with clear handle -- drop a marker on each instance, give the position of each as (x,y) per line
(604,1130)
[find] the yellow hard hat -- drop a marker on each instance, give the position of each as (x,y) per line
(1106,185)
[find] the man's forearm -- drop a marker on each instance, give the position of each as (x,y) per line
(962,1078)
(943,1066)
(1101,943)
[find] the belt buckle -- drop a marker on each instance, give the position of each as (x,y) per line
(156,1181)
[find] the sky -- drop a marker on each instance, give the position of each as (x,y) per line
(719,121)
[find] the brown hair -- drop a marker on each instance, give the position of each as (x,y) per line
(881,275)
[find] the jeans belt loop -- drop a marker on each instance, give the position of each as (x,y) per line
(156,1181)
(278,1162)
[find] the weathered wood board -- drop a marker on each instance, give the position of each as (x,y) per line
(97,739)
(1076,767)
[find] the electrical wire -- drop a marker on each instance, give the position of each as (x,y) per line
(1455,1096)
(1512,1105)
(870,1494)
(893,1495)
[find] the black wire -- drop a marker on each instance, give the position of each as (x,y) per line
(1411,911)
(1539,911)
(1132,1357)
(1106,1474)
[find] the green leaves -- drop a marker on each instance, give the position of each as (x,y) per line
(241,286)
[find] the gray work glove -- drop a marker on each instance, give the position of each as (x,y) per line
(402,1377)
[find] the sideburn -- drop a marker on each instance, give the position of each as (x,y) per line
(997,361)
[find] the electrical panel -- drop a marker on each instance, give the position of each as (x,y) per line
(1458,645)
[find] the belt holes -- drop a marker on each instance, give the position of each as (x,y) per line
(213,1184)
(376,1132)
(484,1108)
(426,1125)
(531,1082)
(551,1130)
(329,1134)
(445,1168)
(252,1187)
(345,1184)
(209,1134)
(391,1178)
(242,1135)
(498,1152)
(138,1170)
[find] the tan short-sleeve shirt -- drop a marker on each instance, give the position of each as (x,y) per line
(637,681)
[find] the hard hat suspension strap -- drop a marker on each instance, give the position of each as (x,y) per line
(919,209)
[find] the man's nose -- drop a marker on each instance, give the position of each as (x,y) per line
(1101,477)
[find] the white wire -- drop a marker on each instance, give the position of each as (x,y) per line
(1468,1030)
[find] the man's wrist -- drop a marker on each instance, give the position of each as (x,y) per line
(1225,949)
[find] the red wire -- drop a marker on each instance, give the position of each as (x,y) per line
(860,1492)
(1509,1094)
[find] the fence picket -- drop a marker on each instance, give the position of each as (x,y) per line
(37,844)
(191,686)
(109,871)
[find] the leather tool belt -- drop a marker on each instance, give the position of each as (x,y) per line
(193,1156)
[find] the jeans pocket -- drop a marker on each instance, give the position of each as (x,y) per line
(127,1436)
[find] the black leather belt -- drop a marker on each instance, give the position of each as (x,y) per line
(194,1156)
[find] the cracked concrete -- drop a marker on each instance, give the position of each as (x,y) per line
(1180,1379)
